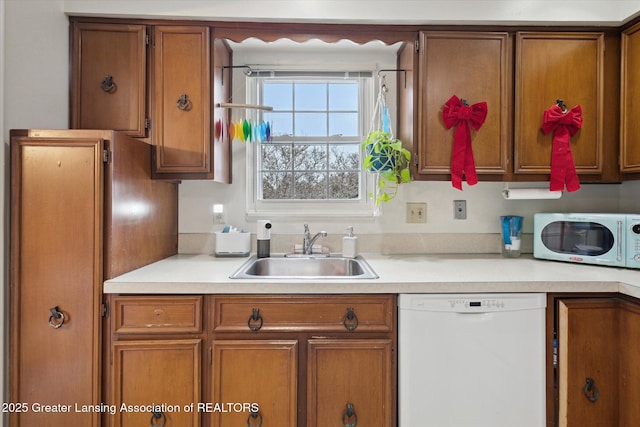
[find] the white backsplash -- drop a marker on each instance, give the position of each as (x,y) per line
(485,205)
(385,244)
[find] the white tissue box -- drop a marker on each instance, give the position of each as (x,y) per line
(233,244)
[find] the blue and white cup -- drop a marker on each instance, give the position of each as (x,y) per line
(511,235)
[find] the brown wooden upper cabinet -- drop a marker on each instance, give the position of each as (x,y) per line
(108,90)
(552,66)
(181,99)
(177,114)
(630,108)
(477,67)
(187,83)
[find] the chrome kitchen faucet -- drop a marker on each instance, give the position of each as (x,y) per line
(308,241)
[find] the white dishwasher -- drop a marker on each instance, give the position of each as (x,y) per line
(471,360)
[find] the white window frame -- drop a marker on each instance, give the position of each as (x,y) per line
(364,207)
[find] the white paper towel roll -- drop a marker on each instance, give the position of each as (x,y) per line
(530,193)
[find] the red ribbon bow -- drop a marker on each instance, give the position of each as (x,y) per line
(455,113)
(563,124)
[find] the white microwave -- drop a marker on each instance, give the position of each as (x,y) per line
(603,239)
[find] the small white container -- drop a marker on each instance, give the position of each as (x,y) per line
(350,244)
(233,244)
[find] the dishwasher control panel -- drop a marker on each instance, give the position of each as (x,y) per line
(477,303)
(473,303)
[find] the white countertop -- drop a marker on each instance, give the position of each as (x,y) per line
(206,274)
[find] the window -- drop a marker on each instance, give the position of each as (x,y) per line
(314,156)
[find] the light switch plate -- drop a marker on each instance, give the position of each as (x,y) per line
(416,213)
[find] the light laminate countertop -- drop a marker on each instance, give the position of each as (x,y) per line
(206,274)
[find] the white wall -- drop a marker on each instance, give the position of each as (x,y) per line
(630,197)
(484,205)
(5,226)
(37,65)
(34,86)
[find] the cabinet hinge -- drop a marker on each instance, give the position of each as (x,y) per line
(147,123)
(210,355)
(415,158)
(106,156)
(416,45)
(147,39)
(104,309)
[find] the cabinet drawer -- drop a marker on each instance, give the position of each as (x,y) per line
(165,315)
(343,313)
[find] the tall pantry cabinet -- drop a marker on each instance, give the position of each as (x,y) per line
(83,209)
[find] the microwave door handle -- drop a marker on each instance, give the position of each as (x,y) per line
(619,241)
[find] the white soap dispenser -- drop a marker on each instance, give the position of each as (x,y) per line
(350,244)
(263,237)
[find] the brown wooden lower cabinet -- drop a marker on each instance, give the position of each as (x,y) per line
(155,380)
(598,373)
(349,382)
(282,361)
(323,360)
(629,376)
(310,361)
(261,375)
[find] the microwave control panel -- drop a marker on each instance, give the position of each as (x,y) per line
(633,242)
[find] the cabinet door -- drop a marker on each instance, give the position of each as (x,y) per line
(56,235)
(155,380)
(350,382)
(182,101)
(475,67)
(222,150)
(262,376)
(588,349)
(630,129)
(552,66)
(629,363)
(109,77)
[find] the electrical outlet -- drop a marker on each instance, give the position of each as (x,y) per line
(459,209)
(218,214)
(416,213)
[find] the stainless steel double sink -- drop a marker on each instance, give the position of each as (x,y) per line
(305,267)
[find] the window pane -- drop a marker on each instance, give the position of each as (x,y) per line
(343,96)
(311,96)
(310,185)
(276,185)
(310,157)
(344,157)
(281,123)
(311,124)
(343,185)
(315,151)
(278,95)
(345,124)
(276,157)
